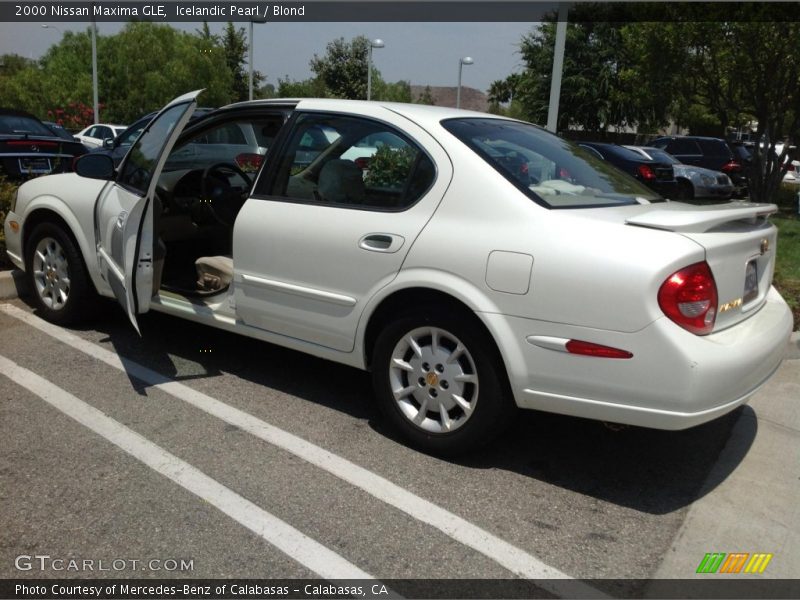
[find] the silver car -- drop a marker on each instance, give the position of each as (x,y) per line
(693,181)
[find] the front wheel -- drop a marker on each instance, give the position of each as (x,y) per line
(56,275)
(439,381)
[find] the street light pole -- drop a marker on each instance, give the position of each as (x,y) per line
(558,67)
(94,72)
(467,60)
(250,55)
(377,43)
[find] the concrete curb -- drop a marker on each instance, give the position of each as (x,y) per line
(12,284)
(793,349)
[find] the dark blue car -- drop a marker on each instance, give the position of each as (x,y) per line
(657,175)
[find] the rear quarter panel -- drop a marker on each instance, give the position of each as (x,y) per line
(588,268)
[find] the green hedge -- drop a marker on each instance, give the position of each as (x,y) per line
(7,190)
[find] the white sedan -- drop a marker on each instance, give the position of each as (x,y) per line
(464,283)
(94,135)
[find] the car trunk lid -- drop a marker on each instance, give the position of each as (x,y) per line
(739,242)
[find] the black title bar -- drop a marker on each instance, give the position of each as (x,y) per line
(446,11)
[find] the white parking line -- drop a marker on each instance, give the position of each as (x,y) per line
(505,554)
(284,537)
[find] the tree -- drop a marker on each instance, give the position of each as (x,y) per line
(399,91)
(139,70)
(734,73)
(148,64)
(693,65)
(426,97)
(308,88)
(343,69)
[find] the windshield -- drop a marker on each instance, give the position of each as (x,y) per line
(548,169)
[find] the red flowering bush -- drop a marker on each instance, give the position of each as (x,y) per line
(75,116)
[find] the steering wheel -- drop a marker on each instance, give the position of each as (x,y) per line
(218,198)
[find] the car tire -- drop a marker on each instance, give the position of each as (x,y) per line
(57,275)
(440,382)
(685,190)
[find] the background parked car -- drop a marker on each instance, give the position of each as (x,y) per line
(655,174)
(712,153)
(693,181)
(118,147)
(60,131)
(28,148)
(94,135)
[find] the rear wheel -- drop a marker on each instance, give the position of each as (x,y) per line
(56,275)
(440,382)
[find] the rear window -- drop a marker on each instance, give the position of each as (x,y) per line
(11,124)
(548,169)
(661,156)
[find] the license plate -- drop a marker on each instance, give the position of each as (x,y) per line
(38,166)
(750,282)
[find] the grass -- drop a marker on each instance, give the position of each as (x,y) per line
(787,264)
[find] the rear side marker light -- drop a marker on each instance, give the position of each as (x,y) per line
(596,350)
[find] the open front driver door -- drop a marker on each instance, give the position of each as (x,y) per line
(124,210)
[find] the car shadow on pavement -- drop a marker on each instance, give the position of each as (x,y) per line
(648,470)
(184,351)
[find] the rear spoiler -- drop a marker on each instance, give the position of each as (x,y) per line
(675,217)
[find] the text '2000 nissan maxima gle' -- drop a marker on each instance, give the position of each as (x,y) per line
(474,264)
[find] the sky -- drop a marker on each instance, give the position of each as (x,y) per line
(422,53)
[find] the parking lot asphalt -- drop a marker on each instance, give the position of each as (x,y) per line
(250,460)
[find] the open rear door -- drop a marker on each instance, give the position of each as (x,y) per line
(124,211)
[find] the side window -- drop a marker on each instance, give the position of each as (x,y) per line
(683,146)
(102,132)
(350,161)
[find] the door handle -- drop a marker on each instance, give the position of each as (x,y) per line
(387,243)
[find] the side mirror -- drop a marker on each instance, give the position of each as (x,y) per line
(108,143)
(95,166)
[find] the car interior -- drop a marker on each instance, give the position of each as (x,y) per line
(353,163)
(204,184)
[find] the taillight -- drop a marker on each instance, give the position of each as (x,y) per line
(248,161)
(731,167)
(789,168)
(646,173)
(689,298)
(32,143)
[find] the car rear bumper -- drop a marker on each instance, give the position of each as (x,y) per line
(675,379)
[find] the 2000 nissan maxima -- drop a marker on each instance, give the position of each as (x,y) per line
(473,263)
